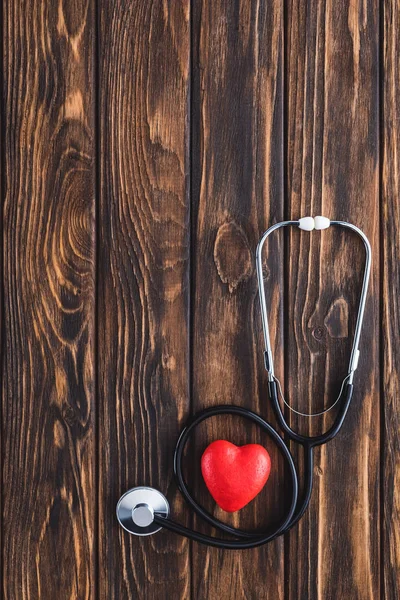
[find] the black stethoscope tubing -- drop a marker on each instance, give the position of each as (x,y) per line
(296,507)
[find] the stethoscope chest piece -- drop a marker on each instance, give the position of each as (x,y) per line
(137,507)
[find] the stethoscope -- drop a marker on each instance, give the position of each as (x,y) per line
(144,510)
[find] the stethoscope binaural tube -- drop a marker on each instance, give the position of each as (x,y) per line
(308,224)
(143,511)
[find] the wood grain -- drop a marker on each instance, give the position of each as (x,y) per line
(237,161)
(48,362)
(143,283)
(151,143)
(332,83)
(390,275)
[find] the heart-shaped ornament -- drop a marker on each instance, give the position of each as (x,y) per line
(234,475)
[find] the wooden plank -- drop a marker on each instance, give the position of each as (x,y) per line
(143,283)
(332,82)
(49,235)
(390,301)
(237,193)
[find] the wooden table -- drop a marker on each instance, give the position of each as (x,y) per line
(145,148)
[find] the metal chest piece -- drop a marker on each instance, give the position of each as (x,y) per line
(137,507)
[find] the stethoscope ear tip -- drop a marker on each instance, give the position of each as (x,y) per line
(137,507)
(310,223)
(321,222)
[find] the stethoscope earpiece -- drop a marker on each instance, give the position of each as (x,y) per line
(311,223)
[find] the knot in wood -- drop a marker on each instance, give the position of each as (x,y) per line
(232,255)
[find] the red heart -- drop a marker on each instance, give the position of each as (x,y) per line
(233,474)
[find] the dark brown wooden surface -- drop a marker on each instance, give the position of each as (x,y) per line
(145,148)
(48,401)
(333,169)
(237,104)
(143,283)
(390,286)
